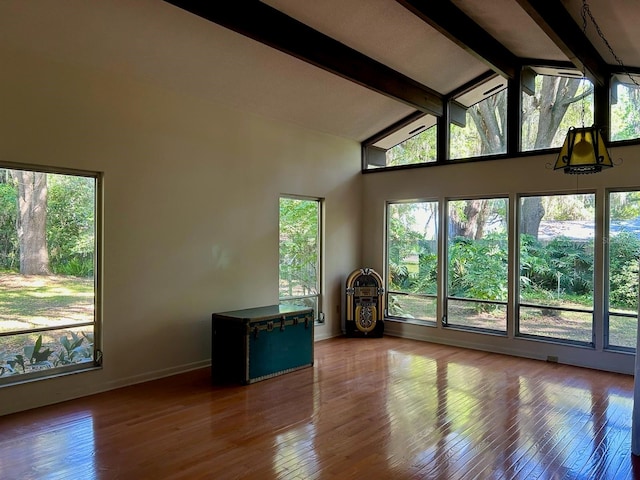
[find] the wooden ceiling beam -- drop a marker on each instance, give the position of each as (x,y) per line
(560,27)
(269,26)
(454,24)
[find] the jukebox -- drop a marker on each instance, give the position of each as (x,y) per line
(365,304)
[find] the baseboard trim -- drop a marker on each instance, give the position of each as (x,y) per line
(156,375)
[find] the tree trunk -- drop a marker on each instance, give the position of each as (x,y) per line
(556,95)
(491,127)
(531,215)
(32,222)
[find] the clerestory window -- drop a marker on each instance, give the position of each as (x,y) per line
(413,143)
(555,100)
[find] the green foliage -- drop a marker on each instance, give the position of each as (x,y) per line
(17,360)
(75,266)
(562,266)
(569,207)
(78,348)
(299,224)
(624,252)
(478,268)
(35,353)
(625,115)
(8,235)
(624,205)
(412,255)
(484,131)
(70,224)
(420,148)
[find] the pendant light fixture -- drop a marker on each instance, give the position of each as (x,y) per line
(584,150)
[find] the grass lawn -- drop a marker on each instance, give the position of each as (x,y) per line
(548,323)
(33,301)
(39,301)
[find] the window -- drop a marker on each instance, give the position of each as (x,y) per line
(477,277)
(559,100)
(412,260)
(479,121)
(48,273)
(625,115)
(300,253)
(623,255)
(556,267)
(413,143)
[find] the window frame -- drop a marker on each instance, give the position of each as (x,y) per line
(449,298)
(374,149)
(425,296)
(318,297)
(517,285)
(459,116)
(97,359)
(617,81)
(516,88)
(608,313)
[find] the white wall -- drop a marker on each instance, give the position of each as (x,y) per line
(190,209)
(487,178)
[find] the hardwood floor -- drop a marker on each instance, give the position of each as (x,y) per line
(369,408)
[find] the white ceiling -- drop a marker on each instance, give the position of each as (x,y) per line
(154,41)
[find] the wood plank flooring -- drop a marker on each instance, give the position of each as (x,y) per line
(369,408)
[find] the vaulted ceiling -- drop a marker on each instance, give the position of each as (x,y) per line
(345,67)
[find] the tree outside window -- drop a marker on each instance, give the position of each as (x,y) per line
(477,277)
(623,247)
(625,114)
(47,273)
(412,260)
(300,253)
(556,269)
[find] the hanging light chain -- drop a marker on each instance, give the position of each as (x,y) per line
(586,11)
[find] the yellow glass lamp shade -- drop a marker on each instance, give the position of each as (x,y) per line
(584,151)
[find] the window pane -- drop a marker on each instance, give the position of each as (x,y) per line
(300,252)
(420,148)
(625,114)
(556,265)
(484,315)
(477,262)
(623,331)
(484,132)
(413,143)
(412,257)
(558,324)
(412,306)
(30,302)
(47,284)
(557,104)
(624,252)
(33,353)
(307,302)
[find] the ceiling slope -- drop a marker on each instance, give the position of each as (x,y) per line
(559,25)
(451,22)
(271,27)
(351,68)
